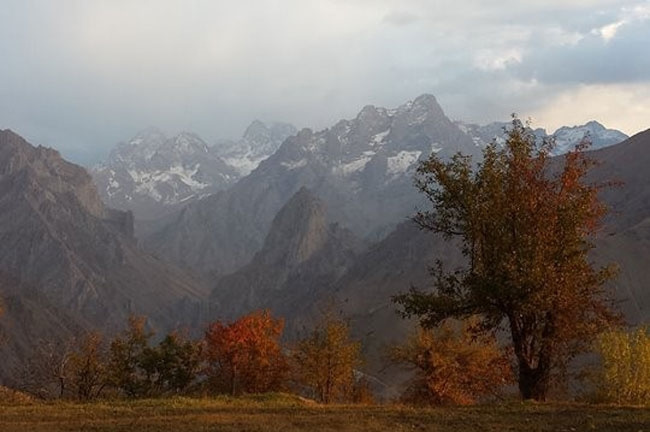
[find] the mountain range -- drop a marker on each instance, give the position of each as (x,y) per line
(153,175)
(564,138)
(291,221)
(361,169)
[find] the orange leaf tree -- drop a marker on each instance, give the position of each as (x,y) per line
(524,224)
(246,355)
(452,365)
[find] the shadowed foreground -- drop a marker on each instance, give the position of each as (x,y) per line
(287,413)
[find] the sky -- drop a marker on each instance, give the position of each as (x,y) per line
(81,76)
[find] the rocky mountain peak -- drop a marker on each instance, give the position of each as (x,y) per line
(424,109)
(371,113)
(565,137)
(137,150)
(426,102)
(14,152)
(152,174)
(150,133)
(184,144)
(257,131)
(298,230)
(258,143)
(593,124)
(302,256)
(40,172)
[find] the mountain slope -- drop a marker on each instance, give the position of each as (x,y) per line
(626,163)
(74,254)
(301,259)
(361,168)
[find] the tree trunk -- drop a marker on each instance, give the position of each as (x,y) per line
(533,383)
(233,379)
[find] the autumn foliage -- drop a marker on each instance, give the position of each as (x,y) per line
(326,362)
(624,373)
(87,367)
(245,356)
(525,224)
(452,366)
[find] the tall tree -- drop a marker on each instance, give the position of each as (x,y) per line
(127,365)
(326,361)
(525,224)
(88,367)
(246,355)
(46,373)
(175,363)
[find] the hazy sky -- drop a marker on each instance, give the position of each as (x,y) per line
(81,75)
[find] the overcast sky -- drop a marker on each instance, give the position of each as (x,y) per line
(82,75)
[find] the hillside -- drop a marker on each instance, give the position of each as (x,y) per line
(67,262)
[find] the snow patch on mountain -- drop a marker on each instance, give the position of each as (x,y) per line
(258,143)
(400,164)
(292,165)
(379,138)
(152,173)
(354,166)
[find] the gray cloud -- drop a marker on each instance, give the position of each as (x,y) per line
(400,18)
(81,75)
(624,58)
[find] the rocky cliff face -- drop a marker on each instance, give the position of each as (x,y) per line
(361,168)
(70,252)
(301,258)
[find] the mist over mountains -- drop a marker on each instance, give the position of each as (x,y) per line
(281,219)
(152,174)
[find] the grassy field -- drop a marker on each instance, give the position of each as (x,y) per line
(287,413)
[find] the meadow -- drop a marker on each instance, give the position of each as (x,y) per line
(279,412)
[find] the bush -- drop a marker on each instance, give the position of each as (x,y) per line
(623,376)
(452,365)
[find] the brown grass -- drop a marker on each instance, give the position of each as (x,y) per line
(288,413)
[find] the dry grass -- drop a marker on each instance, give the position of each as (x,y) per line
(288,413)
(13,397)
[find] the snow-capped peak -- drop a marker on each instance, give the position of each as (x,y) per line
(150,172)
(258,143)
(565,137)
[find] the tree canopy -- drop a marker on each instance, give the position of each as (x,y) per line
(326,361)
(525,223)
(246,355)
